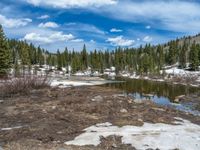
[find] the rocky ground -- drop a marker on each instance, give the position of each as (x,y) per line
(46,118)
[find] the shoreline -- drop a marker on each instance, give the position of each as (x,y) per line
(170,81)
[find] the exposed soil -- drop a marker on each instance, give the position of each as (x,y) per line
(47,118)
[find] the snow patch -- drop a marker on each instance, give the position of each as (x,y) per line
(184,135)
(68,83)
(181,72)
(11,128)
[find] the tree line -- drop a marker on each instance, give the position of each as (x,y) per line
(148,59)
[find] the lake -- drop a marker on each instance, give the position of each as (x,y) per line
(161,93)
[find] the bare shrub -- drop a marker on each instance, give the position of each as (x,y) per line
(22,85)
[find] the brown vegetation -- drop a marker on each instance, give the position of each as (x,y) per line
(49,117)
(21,85)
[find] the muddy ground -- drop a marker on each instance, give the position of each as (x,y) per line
(45,119)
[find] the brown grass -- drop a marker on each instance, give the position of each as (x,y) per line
(22,85)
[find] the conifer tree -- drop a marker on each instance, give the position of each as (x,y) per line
(194,59)
(25,59)
(160,57)
(172,53)
(183,56)
(84,58)
(5,61)
(66,58)
(59,59)
(198,49)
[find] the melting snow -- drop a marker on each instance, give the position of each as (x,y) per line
(177,71)
(6,129)
(185,135)
(67,83)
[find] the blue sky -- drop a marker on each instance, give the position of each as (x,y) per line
(100,24)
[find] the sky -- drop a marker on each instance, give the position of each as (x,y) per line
(100,24)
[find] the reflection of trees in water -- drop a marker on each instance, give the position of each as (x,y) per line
(156,88)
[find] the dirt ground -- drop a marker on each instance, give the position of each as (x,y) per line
(47,118)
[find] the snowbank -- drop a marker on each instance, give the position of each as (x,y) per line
(184,135)
(69,83)
(181,72)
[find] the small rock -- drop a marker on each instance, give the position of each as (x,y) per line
(97,98)
(53,107)
(130,101)
(120,95)
(178,98)
(1,101)
(123,110)
(59,132)
(114,145)
(140,120)
(138,101)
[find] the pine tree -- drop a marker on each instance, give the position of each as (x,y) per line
(183,56)
(172,53)
(66,58)
(194,59)
(160,57)
(5,61)
(84,58)
(198,49)
(25,59)
(59,59)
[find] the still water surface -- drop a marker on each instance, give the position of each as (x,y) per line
(161,93)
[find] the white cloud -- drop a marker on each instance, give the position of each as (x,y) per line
(43,17)
(84,27)
(92,41)
(13,23)
(48,25)
(71,3)
(53,37)
(148,27)
(174,15)
(120,41)
(147,39)
(115,30)
(78,40)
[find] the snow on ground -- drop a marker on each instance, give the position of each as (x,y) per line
(69,83)
(181,72)
(10,128)
(184,135)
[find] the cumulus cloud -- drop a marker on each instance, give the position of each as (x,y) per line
(54,37)
(13,23)
(78,40)
(175,15)
(120,41)
(43,17)
(115,30)
(71,3)
(48,25)
(148,27)
(92,41)
(147,39)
